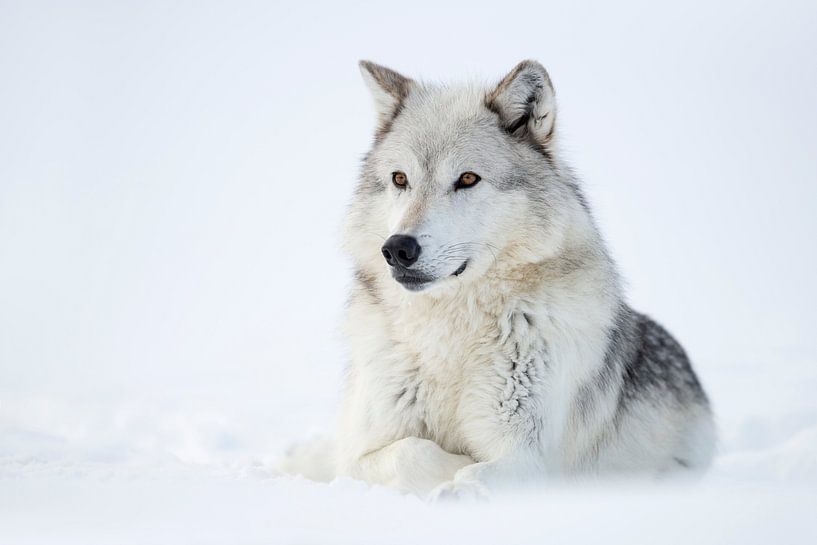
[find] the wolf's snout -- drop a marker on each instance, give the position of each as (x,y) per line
(401,250)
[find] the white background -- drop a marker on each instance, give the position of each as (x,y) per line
(172,180)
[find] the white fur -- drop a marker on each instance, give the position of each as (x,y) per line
(433,403)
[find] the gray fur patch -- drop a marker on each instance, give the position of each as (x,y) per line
(651,361)
(369,286)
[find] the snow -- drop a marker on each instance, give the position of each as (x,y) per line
(201,471)
(211,510)
(172,180)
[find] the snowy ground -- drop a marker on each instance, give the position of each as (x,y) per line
(172,179)
(199,471)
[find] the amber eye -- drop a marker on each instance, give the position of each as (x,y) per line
(399,179)
(467,179)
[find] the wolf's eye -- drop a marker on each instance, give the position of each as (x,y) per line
(467,179)
(399,179)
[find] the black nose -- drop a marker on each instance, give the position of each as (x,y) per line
(401,250)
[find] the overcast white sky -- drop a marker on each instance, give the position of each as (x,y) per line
(173,174)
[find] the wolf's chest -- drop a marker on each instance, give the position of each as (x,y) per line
(436,394)
(470,380)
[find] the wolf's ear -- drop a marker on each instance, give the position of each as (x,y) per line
(388,89)
(526,102)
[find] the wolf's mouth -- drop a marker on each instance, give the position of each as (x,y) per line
(410,280)
(414,281)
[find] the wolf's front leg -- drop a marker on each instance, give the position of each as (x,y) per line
(411,465)
(477,480)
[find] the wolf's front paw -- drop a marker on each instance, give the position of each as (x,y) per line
(458,490)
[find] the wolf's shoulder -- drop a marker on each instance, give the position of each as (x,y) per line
(652,361)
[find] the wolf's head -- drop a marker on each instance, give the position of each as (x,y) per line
(460,180)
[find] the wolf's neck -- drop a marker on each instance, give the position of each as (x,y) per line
(577,268)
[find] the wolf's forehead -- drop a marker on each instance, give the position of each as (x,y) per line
(435,121)
(465,101)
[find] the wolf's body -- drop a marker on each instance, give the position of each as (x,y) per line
(499,350)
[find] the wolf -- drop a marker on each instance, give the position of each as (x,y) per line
(490,342)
